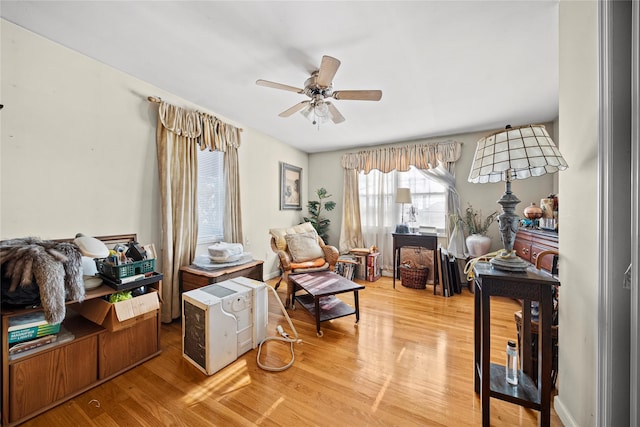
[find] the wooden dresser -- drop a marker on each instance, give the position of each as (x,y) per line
(193,277)
(529,243)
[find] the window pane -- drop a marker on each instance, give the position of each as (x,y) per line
(210,196)
(377,199)
(427,196)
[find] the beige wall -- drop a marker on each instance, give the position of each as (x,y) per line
(576,401)
(326,172)
(78,151)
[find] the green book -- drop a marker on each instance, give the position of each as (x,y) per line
(29,326)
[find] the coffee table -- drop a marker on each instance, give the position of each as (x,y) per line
(320,299)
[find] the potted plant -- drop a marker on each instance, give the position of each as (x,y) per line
(315,208)
(477,241)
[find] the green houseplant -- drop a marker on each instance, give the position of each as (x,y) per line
(315,208)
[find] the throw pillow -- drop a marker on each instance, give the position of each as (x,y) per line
(304,246)
(279,233)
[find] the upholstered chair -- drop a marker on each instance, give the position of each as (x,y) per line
(301,250)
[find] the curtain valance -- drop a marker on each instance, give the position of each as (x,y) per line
(218,135)
(180,121)
(387,159)
(211,132)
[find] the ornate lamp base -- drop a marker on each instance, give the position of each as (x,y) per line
(510,262)
(508,221)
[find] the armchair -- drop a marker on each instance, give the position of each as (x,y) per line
(301,250)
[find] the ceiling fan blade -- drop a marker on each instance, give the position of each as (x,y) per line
(294,109)
(327,71)
(274,85)
(336,117)
(358,95)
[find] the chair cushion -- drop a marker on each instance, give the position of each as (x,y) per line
(311,270)
(304,246)
(320,262)
(280,233)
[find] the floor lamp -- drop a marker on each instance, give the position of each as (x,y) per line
(403,195)
(506,155)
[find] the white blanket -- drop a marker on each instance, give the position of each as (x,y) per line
(222,251)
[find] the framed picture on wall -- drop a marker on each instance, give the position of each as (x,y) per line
(290,185)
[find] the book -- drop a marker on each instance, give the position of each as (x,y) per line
(27,320)
(31,344)
(32,332)
(29,326)
(62,337)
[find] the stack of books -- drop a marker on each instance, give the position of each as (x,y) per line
(30,331)
(346,266)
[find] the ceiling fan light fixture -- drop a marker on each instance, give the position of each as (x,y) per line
(317,112)
(321,109)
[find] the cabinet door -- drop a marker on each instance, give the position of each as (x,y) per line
(122,349)
(51,376)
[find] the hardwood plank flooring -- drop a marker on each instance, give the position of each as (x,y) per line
(409,362)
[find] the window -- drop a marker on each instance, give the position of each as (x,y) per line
(427,196)
(210,196)
(377,199)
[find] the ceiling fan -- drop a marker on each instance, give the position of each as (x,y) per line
(318,88)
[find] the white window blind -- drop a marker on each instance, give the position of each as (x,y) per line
(210,196)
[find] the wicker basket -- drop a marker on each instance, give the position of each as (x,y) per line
(415,278)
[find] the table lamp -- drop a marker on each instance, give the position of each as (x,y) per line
(513,153)
(403,195)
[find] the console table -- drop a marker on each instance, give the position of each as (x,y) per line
(427,241)
(489,379)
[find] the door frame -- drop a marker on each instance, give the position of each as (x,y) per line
(610,280)
(634,392)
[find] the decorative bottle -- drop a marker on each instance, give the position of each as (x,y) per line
(512,363)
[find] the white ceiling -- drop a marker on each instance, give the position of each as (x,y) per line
(444,67)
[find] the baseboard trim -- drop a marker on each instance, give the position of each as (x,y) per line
(563,413)
(271,275)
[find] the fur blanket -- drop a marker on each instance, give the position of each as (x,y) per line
(54,266)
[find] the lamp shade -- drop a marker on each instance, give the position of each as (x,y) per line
(403,195)
(524,151)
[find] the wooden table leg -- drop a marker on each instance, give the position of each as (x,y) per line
(545,355)
(485,389)
(357,305)
(476,337)
(316,301)
(395,268)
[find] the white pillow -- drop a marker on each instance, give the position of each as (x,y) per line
(304,246)
(279,233)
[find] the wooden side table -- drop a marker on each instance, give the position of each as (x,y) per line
(193,277)
(489,379)
(427,241)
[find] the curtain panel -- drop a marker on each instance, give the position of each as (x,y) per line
(180,133)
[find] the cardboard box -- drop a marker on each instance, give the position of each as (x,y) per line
(120,315)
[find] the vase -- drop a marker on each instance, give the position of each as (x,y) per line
(478,244)
(533,212)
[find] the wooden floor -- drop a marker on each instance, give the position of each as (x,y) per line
(407,363)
